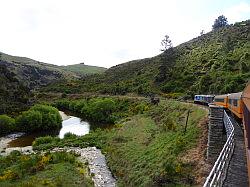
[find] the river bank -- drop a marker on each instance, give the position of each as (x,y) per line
(5,140)
(98,168)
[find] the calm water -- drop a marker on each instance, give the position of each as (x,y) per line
(73,125)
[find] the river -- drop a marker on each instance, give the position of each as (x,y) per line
(72,124)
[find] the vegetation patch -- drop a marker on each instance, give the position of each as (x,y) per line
(37,118)
(144,150)
(49,169)
(7,124)
(103,110)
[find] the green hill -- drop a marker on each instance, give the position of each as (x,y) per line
(82,70)
(213,63)
(35,74)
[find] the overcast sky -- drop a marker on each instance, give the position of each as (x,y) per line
(106,32)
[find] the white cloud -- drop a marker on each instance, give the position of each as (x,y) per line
(100,32)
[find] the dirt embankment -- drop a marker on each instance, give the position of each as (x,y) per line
(197,155)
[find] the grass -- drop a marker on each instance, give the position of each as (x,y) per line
(50,169)
(143,153)
(145,149)
(81,69)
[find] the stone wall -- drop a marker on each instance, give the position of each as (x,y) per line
(216,132)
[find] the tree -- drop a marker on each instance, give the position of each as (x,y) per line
(166,58)
(166,43)
(202,32)
(220,22)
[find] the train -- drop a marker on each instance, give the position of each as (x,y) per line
(239,105)
(203,99)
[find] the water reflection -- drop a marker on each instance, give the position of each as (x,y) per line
(75,126)
(70,124)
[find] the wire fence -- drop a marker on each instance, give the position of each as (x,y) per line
(219,170)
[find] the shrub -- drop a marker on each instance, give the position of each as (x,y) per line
(101,110)
(29,120)
(7,124)
(40,117)
(45,142)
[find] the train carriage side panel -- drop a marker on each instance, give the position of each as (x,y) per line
(246,123)
(235,104)
(221,100)
(209,99)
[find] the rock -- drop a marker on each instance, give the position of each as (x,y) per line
(24,150)
(6,139)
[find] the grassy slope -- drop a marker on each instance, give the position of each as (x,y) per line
(81,69)
(144,150)
(135,76)
(34,74)
(216,62)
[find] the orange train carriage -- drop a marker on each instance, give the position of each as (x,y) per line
(232,102)
(221,100)
(235,104)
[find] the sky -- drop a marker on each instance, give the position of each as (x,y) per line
(106,32)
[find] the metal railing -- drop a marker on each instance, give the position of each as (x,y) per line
(218,173)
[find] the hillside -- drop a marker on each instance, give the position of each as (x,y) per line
(13,95)
(213,63)
(82,70)
(35,74)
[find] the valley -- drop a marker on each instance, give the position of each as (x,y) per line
(135,119)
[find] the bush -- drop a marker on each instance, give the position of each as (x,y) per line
(7,124)
(45,142)
(101,110)
(29,121)
(40,117)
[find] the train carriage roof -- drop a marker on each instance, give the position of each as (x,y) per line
(221,96)
(209,95)
(235,95)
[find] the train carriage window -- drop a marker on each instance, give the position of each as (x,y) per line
(230,101)
(235,102)
(219,100)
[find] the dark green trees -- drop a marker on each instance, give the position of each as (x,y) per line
(6,124)
(221,21)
